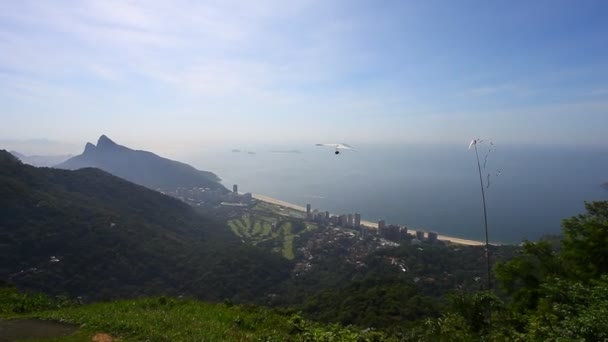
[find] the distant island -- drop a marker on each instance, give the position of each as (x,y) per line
(236,150)
(287,151)
(141,167)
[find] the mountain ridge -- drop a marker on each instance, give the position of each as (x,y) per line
(141,167)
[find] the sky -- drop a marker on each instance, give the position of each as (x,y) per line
(196,72)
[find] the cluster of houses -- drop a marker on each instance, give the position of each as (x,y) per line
(398,233)
(196,196)
(344,220)
(389,232)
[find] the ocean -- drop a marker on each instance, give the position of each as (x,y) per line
(430,187)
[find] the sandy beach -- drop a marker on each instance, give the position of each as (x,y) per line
(368,224)
(278,202)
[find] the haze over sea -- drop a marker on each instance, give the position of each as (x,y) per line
(431,187)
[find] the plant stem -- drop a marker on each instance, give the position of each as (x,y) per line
(485,218)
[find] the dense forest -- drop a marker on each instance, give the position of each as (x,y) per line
(553,293)
(392,289)
(90,234)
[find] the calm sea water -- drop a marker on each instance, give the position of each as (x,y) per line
(428,187)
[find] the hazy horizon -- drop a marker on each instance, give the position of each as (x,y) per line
(429,186)
(304,71)
(183,150)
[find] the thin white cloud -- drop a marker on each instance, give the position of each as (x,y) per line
(105,72)
(164,42)
(503,90)
(599,91)
(122,13)
(222,63)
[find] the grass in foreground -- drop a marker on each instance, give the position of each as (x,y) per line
(169,319)
(165,319)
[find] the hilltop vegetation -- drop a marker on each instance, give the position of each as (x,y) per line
(170,319)
(393,289)
(88,233)
(551,294)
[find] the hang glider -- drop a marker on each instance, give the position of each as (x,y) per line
(473,143)
(338,147)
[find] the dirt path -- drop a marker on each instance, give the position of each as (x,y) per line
(21,329)
(102,337)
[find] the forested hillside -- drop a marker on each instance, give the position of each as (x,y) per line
(552,294)
(88,233)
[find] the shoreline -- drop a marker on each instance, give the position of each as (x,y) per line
(367,224)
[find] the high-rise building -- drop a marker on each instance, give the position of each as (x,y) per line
(235,188)
(357,220)
(248,197)
(349,220)
(327,215)
(432,236)
(308,211)
(364,232)
(335,220)
(403,233)
(381,226)
(343,220)
(392,232)
(420,235)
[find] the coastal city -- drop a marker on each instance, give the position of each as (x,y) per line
(233,199)
(391,232)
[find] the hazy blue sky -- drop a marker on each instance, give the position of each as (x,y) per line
(305,71)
